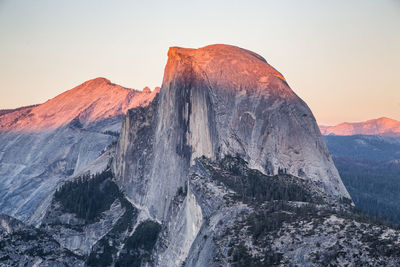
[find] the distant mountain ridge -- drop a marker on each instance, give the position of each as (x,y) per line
(365,147)
(382,126)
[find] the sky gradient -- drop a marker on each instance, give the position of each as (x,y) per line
(341,57)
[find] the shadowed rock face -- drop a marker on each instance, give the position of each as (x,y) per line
(24,245)
(215,101)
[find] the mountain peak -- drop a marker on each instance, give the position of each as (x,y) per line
(215,49)
(94,83)
(93,100)
(383,126)
(99,80)
(216,101)
(229,67)
(146,90)
(386,119)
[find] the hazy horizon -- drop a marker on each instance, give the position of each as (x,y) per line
(340,57)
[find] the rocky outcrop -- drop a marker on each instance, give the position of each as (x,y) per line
(42,145)
(251,220)
(225,167)
(24,245)
(89,216)
(215,101)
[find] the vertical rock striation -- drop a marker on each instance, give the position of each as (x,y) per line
(215,101)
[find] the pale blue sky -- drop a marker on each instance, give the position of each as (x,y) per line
(341,57)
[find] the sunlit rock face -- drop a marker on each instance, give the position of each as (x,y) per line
(93,101)
(215,101)
(382,126)
(220,165)
(42,145)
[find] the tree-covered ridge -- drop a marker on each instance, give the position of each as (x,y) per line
(286,220)
(373,186)
(370,169)
(366,147)
(88,196)
(26,245)
(139,246)
(112,133)
(251,184)
(105,251)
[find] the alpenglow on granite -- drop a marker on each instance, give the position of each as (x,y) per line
(41,145)
(225,166)
(215,101)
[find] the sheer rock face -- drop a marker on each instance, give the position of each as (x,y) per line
(215,101)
